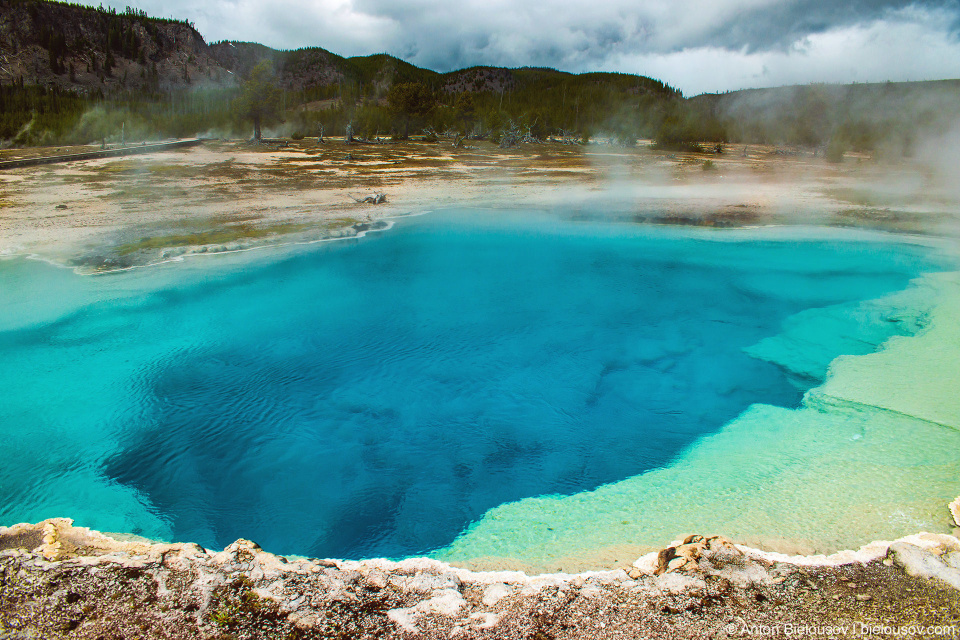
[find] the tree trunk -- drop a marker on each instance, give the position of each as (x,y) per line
(256,128)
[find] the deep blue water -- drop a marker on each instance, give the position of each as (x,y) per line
(373,397)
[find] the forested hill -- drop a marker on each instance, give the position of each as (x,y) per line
(59,60)
(892,118)
(375,74)
(94,50)
(71,73)
(546,100)
(67,46)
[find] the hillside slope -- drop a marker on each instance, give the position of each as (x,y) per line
(891,116)
(87,50)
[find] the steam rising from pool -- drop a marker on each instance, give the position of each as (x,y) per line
(376,397)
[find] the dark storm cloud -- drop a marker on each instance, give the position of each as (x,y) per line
(778,25)
(581,31)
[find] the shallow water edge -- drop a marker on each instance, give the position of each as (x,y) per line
(841,411)
(870,454)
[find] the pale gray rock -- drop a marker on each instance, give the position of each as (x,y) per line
(404,619)
(495,593)
(678,582)
(446,602)
(426,582)
(608,577)
(484,620)
(377,578)
(919,562)
(952,559)
(591,592)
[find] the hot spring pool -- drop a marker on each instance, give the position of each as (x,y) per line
(488,385)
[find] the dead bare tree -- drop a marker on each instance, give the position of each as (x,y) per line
(448,134)
(510,137)
(373,198)
(565,136)
(514,135)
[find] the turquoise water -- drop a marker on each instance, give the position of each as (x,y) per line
(375,397)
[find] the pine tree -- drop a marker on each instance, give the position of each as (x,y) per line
(259,98)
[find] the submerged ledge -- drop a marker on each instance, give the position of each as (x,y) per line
(870,454)
(57,580)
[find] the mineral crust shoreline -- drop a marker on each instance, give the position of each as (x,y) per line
(61,581)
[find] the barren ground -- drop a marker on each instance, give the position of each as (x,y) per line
(57,581)
(110,213)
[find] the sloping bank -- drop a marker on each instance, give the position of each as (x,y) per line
(873,450)
(871,454)
(60,581)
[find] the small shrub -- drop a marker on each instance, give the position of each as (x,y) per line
(297,136)
(224,616)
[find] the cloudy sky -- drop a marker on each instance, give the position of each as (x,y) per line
(694,45)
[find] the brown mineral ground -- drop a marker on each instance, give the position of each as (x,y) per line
(112,213)
(60,581)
